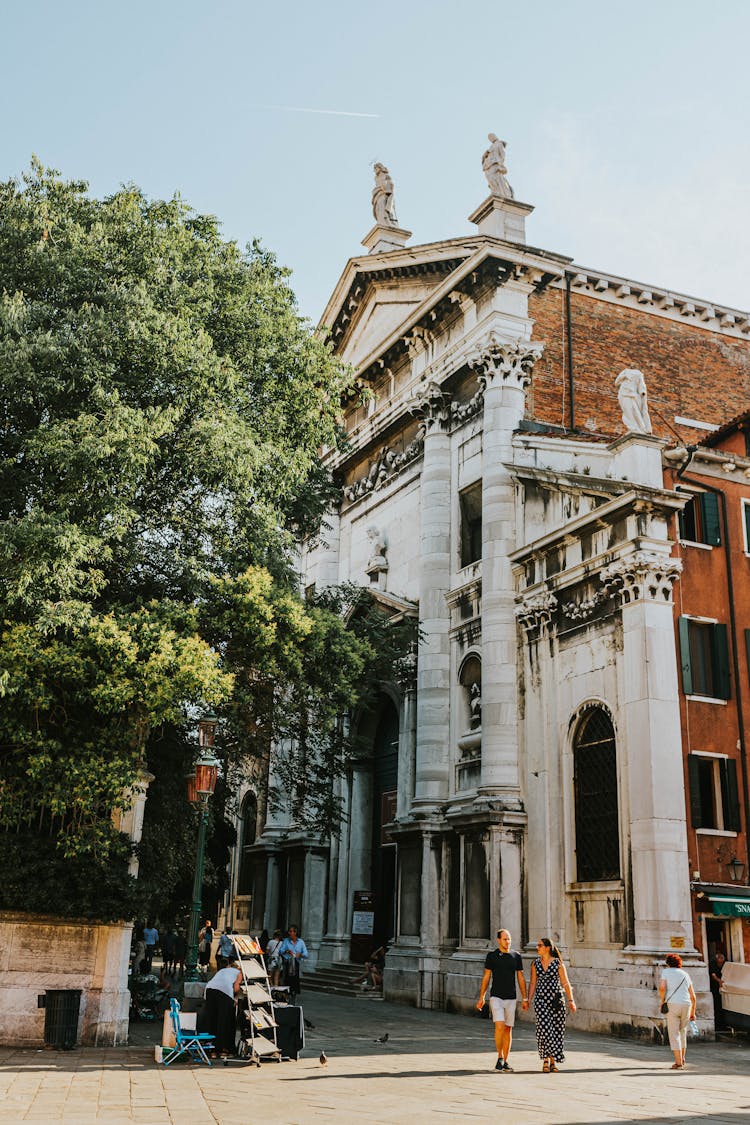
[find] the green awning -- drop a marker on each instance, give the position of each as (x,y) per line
(732,907)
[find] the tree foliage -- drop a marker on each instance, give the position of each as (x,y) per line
(162,405)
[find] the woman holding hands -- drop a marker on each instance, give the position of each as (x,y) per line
(548,980)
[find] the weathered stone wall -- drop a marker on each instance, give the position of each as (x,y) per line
(39,953)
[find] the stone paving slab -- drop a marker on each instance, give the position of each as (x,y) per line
(433,1065)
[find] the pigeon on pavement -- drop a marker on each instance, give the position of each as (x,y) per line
(383,1038)
(323,1058)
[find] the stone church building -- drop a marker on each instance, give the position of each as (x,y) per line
(527,771)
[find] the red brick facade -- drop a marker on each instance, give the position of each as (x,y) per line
(690,371)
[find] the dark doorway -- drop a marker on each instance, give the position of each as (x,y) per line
(385,785)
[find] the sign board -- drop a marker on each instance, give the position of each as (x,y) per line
(731,907)
(676,942)
(363,922)
(363,926)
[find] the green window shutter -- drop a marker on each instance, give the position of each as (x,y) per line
(720,654)
(687,669)
(709,502)
(730,796)
(695,791)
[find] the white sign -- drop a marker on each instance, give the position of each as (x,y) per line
(363,922)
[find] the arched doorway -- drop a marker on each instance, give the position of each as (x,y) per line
(385,786)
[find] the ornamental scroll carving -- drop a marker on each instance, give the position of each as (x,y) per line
(509,361)
(643,576)
(387,465)
(534,611)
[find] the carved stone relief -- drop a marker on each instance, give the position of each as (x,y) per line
(510,361)
(642,576)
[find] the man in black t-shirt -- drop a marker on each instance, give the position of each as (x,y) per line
(505,967)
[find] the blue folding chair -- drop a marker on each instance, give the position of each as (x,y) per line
(191,1043)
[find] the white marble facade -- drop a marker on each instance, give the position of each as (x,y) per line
(539,569)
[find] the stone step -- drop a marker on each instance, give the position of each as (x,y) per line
(336,980)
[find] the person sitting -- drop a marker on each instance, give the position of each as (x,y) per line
(218,1015)
(374,966)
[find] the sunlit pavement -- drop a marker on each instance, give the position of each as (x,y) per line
(433,1066)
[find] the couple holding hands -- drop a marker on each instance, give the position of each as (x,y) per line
(503,967)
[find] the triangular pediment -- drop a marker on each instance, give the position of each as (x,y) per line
(379,292)
(386,305)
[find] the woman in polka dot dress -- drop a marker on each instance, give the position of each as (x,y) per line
(548,979)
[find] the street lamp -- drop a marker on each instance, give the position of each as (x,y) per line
(736,870)
(201,784)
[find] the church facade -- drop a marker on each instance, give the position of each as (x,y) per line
(504,484)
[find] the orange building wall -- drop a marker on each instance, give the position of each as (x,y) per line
(703,591)
(689,372)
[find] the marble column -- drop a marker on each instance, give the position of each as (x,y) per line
(651,741)
(360,834)
(504,367)
(407,743)
(328,552)
(432,769)
(271,912)
(314,898)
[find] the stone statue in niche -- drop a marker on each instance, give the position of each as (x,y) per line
(377,564)
(383,206)
(475,706)
(493,166)
(633,400)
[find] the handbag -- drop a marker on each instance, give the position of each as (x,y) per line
(557,1003)
(664,1009)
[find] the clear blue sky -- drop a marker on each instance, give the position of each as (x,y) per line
(626,123)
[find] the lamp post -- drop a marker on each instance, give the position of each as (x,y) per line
(201,784)
(736,870)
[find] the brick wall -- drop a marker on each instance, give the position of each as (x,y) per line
(690,372)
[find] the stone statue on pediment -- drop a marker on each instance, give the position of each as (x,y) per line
(383,206)
(493,166)
(633,399)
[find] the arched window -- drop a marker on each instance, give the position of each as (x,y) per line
(248,831)
(596,812)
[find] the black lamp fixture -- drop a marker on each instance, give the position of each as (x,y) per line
(736,870)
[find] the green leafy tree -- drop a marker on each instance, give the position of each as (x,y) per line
(162,405)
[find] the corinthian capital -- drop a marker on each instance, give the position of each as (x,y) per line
(534,611)
(642,576)
(508,361)
(433,405)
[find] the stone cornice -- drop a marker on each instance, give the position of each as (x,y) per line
(695,311)
(492,262)
(635,499)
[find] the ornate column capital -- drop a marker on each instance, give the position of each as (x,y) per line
(505,361)
(433,405)
(534,611)
(643,576)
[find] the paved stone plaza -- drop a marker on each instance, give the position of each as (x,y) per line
(433,1067)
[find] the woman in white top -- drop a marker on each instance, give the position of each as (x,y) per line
(218,1015)
(676,990)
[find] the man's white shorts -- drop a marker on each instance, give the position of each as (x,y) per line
(503,1011)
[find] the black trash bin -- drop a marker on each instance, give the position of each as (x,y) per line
(61,1008)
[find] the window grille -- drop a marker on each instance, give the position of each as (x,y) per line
(596,812)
